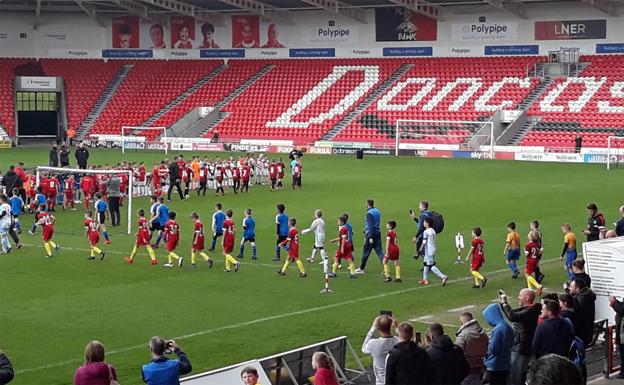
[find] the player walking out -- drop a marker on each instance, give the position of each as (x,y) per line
(429,248)
(512,249)
(142,239)
(281,221)
(5,223)
(172,238)
(477,254)
(249,235)
(46,221)
(229,235)
(392,253)
(102,207)
(569,249)
(92,233)
(162,213)
(293,250)
(532,251)
(344,250)
(197,247)
(17,205)
(217,225)
(535,228)
(318,227)
(68,191)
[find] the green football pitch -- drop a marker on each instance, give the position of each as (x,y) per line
(50,308)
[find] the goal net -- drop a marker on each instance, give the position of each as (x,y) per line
(143,138)
(99,177)
(466,135)
(615,151)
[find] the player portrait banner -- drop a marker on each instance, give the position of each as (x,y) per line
(272,35)
(570,30)
(154,35)
(208,36)
(125,32)
(402,24)
(245,31)
(484,31)
(182,32)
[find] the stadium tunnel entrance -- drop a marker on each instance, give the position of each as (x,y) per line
(39,107)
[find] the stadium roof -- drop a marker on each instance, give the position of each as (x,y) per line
(215,8)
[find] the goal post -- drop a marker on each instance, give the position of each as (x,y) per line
(467,135)
(132,141)
(615,151)
(79,171)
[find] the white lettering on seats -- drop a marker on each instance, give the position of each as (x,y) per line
(371,77)
(617,91)
(475,84)
(384,104)
(482,103)
(591,87)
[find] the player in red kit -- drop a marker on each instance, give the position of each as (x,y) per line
(187,177)
(273,174)
(197,246)
(203,178)
(87,185)
(46,221)
(245,176)
(392,252)
(229,235)
(293,250)
(141,176)
(156,180)
(344,250)
(280,173)
(236,176)
(172,238)
(219,179)
(477,254)
(69,193)
(52,191)
(142,239)
(92,233)
(533,254)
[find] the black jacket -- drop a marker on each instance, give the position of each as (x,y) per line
(571,315)
(53,156)
(523,321)
(11,180)
(618,308)
(585,277)
(82,156)
(6,370)
(174,172)
(64,156)
(554,335)
(448,360)
(585,309)
(408,364)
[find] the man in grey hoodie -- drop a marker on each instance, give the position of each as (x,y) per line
(474,341)
(379,348)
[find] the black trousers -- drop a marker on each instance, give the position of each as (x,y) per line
(13,234)
(113,207)
(496,377)
(176,183)
(369,247)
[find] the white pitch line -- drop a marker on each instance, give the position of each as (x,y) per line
(423,318)
(463,308)
(269,318)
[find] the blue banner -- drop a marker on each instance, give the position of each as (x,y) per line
(312,52)
(220,53)
(408,51)
(128,53)
(461,154)
(610,48)
(512,49)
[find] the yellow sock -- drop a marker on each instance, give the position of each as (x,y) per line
(300,266)
(386,270)
(134,252)
(92,252)
(477,277)
(52,244)
(47,247)
(96,249)
(351,267)
(231,259)
(397,268)
(150,251)
(205,256)
(193,257)
(171,256)
(335,267)
(477,282)
(285,267)
(531,282)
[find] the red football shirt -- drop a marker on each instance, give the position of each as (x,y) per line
(293,243)
(228,231)
(172,229)
(477,248)
(91,226)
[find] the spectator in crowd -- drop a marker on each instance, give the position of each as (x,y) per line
(325,373)
(554,370)
(6,369)
(113,190)
(472,339)
(619,225)
(449,361)
(423,208)
(379,347)
(95,370)
(524,321)
(595,223)
(498,358)
(174,178)
(53,158)
(408,364)
(618,307)
(554,334)
(162,370)
(566,303)
(585,309)
(610,234)
(82,156)
(64,155)
(12,180)
(372,233)
(249,375)
(578,267)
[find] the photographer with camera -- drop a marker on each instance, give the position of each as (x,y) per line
(379,347)
(162,370)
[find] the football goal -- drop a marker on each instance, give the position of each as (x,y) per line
(144,138)
(615,151)
(466,135)
(77,174)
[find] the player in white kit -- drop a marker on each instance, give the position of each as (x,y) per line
(318,227)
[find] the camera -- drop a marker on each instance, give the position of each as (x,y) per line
(411,211)
(169,347)
(386,312)
(501,292)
